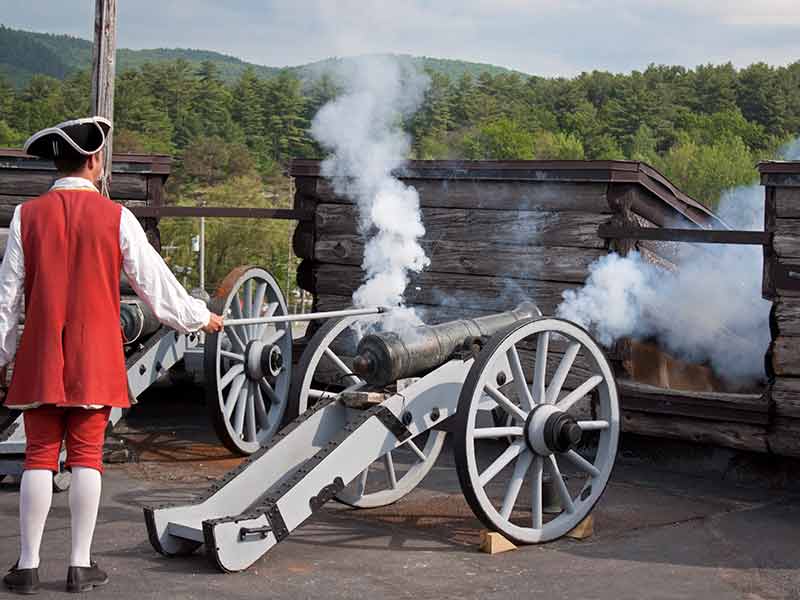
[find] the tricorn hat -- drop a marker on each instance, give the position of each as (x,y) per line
(70,139)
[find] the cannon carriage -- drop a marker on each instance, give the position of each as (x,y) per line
(373,414)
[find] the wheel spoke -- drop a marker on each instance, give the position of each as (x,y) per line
(593,425)
(274,337)
(517,479)
(505,403)
(247,292)
(536,494)
(580,462)
(587,386)
(540,367)
(345,370)
(232,355)
(235,338)
(261,408)
(496,432)
(266,388)
(271,308)
(501,462)
(415,449)
(391,476)
(250,417)
(566,498)
(519,378)
(237,333)
(560,376)
(230,375)
(233,394)
(238,415)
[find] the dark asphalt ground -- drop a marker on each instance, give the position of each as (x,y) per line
(658,534)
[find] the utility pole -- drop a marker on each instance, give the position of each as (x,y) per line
(103,69)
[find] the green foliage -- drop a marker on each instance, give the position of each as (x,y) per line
(501,139)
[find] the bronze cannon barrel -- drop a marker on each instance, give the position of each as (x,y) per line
(383,358)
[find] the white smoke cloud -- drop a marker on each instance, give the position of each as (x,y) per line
(709,310)
(363,130)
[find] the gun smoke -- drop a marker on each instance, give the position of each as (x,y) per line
(709,310)
(362,128)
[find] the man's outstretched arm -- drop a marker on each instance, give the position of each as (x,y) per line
(154,283)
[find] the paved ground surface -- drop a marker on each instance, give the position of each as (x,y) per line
(659,534)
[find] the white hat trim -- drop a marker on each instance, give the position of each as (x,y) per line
(57,129)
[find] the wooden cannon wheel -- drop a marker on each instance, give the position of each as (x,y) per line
(248,367)
(501,467)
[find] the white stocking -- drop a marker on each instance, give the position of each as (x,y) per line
(35,497)
(84,501)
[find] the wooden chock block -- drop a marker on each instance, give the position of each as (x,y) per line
(495,543)
(583,530)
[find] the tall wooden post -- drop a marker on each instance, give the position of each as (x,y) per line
(103,70)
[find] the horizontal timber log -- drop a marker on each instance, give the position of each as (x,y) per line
(785,353)
(475,258)
(695,236)
(491,195)
(489,293)
(217,211)
(125,186)
(787,203)
(786,397)
(519,227)
(786,316)
(715,406)
(739,436)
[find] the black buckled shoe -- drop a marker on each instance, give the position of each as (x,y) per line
(83,579)
(22,581)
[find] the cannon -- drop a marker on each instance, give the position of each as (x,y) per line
(525,398)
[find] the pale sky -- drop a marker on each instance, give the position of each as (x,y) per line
(543,37)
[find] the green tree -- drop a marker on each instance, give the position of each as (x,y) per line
(502,139)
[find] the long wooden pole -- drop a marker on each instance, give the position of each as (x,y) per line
(103,69)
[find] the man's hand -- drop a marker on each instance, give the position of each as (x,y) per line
(214,324)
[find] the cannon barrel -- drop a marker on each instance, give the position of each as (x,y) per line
(383,358)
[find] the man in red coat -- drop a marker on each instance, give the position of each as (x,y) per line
(64,256)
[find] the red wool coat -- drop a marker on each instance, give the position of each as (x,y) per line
(70,353)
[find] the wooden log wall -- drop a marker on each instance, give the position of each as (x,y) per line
(137,180)
(498,234)
(782,285)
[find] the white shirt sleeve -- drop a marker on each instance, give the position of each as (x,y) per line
(154,283)
(12,288)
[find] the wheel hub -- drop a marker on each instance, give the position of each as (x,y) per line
(548,430)
(262,360)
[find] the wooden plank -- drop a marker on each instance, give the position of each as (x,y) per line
(492,195)
(786,397)
(739,436)
(489,293)
(786,239)
(35,183)
(694,236)
(787,203)
(145,164)
(715,406)
(474,258)
(785,355)
(521,227)
(785,316)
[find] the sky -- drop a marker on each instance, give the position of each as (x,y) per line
(542,37)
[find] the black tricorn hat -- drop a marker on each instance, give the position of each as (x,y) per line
(70,139)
